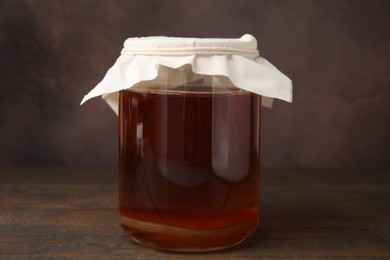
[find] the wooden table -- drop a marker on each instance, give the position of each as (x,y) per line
(48,212)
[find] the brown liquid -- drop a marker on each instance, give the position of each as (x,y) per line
(189,168)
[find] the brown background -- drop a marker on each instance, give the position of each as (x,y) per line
(336,52)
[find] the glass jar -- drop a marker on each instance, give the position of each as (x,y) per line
(189,162)
(189,128)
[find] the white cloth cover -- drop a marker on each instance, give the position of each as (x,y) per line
(237,59)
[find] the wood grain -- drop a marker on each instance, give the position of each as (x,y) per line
(59,213)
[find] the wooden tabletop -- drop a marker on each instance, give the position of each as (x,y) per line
(57,213)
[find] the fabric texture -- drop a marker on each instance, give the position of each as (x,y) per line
(236,59)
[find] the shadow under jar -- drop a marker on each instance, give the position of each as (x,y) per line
(189,164)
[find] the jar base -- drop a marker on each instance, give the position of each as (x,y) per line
(184,250)
(180,239)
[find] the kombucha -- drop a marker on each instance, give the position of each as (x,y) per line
(189,168)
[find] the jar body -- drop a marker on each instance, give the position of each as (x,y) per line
(189,165)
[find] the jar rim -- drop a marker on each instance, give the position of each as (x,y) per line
(182,46)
